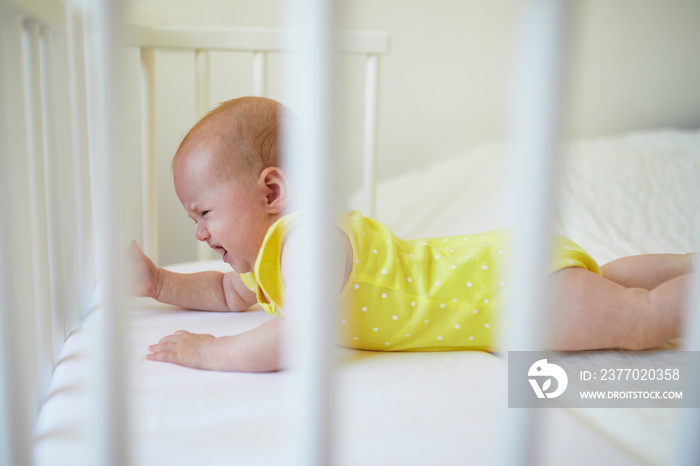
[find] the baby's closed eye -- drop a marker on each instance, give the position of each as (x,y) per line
(196,220)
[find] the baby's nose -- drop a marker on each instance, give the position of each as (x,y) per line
(201,233)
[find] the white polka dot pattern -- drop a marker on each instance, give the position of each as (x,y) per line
(417,289)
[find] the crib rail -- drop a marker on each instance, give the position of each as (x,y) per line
(39,285)
(15,404)
(535,130)
(310,86)
(687,451)
(246,39)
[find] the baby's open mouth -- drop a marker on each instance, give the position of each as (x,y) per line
(221,251)
(218,249)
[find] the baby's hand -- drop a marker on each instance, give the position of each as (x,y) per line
(143,273)
(184,348)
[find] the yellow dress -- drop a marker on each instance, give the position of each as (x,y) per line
(433,294)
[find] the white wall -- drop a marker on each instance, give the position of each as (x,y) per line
(446,82)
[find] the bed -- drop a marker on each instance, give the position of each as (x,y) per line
(625,194)
(398,408)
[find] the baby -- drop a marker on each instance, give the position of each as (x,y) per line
(396,295)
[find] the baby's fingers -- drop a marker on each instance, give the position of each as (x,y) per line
(184,348)
(163,346)
(143,273)
(134,250)
(163,356)
(172,338)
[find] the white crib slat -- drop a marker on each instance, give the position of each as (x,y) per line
(370,134)
(67,192)
(53,194)
(75,61)
(149,187)
(37,200)
(687,451)
(17,404)
(202,92)
(536,120)
(48,162)
(111,430)
(310,94)
(260,74)
(202,82)
(93,132)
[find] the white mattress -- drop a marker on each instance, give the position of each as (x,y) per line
(407,409)
(400,408)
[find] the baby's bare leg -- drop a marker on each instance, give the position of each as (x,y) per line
(592,312)
(647,271)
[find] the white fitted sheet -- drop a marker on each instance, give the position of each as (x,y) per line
(408,409)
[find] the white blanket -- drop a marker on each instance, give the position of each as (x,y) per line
(632,194)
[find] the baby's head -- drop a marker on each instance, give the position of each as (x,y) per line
(244,132)
(227,177)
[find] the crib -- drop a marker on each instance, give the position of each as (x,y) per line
(81,171)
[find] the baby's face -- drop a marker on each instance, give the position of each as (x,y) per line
(229,213)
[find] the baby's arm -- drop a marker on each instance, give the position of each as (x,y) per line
(257,350)
(204,291)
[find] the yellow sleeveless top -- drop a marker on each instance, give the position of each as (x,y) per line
(433,294)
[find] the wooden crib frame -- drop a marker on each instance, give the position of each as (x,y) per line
(59,179)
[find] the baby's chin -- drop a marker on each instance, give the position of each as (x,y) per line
(236,265)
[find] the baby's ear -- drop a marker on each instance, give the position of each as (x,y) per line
(274,183)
